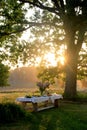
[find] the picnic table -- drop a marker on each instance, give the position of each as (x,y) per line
(35,100)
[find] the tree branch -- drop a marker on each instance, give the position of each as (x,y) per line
(14,32)
(41,6)
(56,3)
(31,24)
(62,5)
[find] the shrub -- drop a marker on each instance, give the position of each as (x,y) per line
(10,112)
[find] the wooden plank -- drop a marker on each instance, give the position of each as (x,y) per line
(44,108)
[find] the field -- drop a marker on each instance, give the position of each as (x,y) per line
(69,115)
(11,93)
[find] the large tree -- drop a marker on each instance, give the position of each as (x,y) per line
(71,15)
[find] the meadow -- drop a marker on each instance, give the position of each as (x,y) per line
(69,115)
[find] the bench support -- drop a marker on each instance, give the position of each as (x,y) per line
(45,106)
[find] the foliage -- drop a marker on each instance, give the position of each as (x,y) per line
(82,67)
(4,75)
(10,112)
(50,73)
(12,18)
(12,23)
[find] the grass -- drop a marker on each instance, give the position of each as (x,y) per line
(69,115)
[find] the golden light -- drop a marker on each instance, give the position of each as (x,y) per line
(50,58)
(62,60)
(41,38)
(38,61)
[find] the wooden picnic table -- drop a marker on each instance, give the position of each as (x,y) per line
(35,100)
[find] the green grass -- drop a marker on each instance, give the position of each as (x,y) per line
(69,115)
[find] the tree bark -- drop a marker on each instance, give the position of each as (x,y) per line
(71,75)
(72,54)
(71,65)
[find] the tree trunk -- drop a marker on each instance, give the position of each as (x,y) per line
(71,74)
(73,49)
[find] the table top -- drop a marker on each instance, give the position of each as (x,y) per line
(35,99)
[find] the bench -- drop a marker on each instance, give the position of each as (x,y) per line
(53,99)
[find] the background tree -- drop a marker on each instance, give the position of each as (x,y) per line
(50,73)
(4,75)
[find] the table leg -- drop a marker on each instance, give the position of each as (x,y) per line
(45,103)
(35,106)
(24,104)
(56,103)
